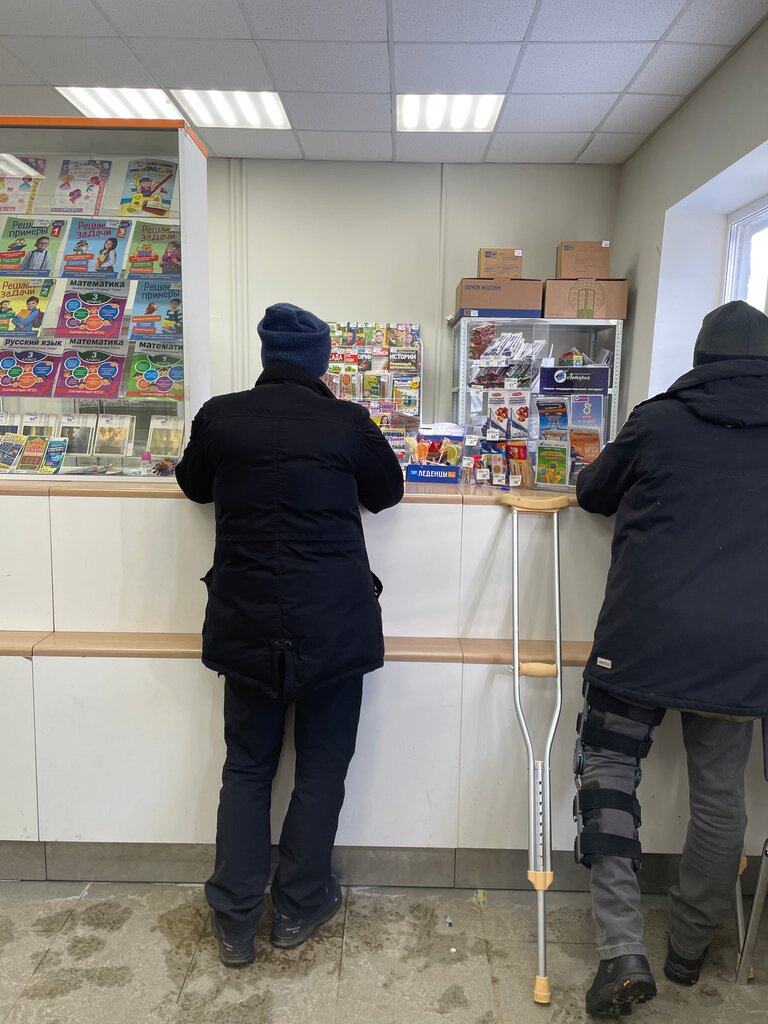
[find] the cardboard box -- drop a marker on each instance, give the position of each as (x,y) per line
(583,259)
(500,263)
(586,299)
(498,296)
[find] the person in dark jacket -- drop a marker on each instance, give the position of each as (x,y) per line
(293,617)
(684,625)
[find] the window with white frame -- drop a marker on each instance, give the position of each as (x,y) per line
(746,268)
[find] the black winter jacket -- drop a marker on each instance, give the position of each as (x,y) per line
(685,618)
(292,603)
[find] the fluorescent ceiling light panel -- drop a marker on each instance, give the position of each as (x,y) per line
(125,104)
(439,113)
(12,167)
(213,108)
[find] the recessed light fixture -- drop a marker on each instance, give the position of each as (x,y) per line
(439,113)
(213,108)
(128,104)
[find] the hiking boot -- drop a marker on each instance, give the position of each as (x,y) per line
(288,932)
(681,970)
(620,983)
(233,952)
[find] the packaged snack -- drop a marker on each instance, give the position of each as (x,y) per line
(520,472)
(509,411)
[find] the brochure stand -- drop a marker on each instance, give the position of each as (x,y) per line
(540,873)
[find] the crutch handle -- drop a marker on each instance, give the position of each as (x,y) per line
(536,504)
(538,669)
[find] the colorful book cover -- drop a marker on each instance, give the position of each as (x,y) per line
(39,424)
(553,419)
(54,456)
(552,465)
(375,387)
(19,192)
(81,186)
(404,360)
(157,310)
(166,437)
(29,245)
(29,370)
(148,188)
(23,304)
(587,412)
(89,370)
(95,246)
(11,447)
(405,393)
(155,249)
(585,448)
(33,455)
(114,435)
(92,309)
(157,370)
(79,431)
(403,335)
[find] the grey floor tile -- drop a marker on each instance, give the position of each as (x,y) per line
(31,916)
(570,967)
(511,916)
(121,956)
(282,986)
(415,959)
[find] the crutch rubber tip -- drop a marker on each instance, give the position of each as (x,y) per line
(541,992)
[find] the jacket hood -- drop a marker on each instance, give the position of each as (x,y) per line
(733,331)
(730,392)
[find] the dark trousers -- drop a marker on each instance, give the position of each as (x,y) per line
(325,731)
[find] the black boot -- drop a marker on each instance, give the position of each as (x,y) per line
(680,970)
(233,952)
(288,933)
(619,983)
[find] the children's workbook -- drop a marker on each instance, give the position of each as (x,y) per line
(29,368)
(29,246)
(91,369)
(148,188)
(18,192)
(157,310)
(93,309)
(95,246)
(157,370)
(81,186)
(155,249)
(22,304)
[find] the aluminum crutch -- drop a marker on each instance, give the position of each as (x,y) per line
(748,931)
(540,873)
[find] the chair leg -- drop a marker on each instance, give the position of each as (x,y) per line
(753,925)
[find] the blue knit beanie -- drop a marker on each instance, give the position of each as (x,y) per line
(290,334)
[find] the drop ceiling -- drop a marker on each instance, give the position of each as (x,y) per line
(585,81)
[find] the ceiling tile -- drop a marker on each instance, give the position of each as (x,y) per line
(330,21)
(449,68)
(441,147)
(608,148)
(12,72)
(328,67)
(323,111)
(606,20)
(35,101)
(43,18)
(346,145)
(639,113)
(677,68)
(449,21)
(579,67)
(581,112)
(258,143)
(529,148)
(173,19)
(204,64)
(110,62)
(727,23)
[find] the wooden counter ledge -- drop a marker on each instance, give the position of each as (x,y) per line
(499,652)
(20,643)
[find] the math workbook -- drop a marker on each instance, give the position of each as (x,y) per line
(148,188)
(95,246)
(157,311)
(92,309)
(91,369)
(22,305)
(155,250)
(29,246)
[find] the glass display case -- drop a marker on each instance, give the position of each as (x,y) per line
(103,295)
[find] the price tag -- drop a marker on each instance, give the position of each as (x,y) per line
(515,481)
(476,390)
(482,474)
(499,479)
(468,462)
(471,440)
(493,434)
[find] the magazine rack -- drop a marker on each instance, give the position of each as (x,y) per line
(126,409)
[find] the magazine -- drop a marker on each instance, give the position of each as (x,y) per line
(33,454)
(89,370)
(166,437)
(11,447)
(404,360)
(157,310)
(29,368)
(81,186)
(148,188)
(79,431)
(29,246)
(23,304)
(552,464)
(157,370)
(155,249)
(93,309)
(403,335)
(39,424)
(405,393)
(18,193)
(95,246)
(54,455)
(114,435)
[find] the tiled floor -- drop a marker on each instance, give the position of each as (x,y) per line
(144,954)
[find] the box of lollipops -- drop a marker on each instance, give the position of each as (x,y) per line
(435,454)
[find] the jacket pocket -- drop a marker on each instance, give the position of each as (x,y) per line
(378,586)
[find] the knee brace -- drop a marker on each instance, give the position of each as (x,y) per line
(592,836)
